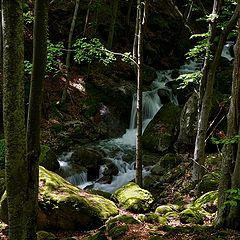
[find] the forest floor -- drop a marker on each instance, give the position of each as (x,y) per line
(146,231)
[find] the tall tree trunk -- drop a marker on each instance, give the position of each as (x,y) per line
(13,113)
(140,21)
(206,88)
(1,76)
(229,216)
(64,95)
(86,19)
(34,113)
(112,23)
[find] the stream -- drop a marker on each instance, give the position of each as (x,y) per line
(121,151)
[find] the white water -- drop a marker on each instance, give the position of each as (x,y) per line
(118,150)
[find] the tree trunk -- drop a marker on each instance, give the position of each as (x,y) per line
(140,21)
(13,110)
(64,95)
(229,216)
(206,89)
(1,77)
(112,23)
(34,113)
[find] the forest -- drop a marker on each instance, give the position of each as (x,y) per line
(119,119)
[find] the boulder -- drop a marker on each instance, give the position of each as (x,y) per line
(207,202)
(191,215)
(118,225)
(89,157)
(48,158)
(161,132)
(209,182)
(188,126)
(133,198)
(166,163)
(63,206)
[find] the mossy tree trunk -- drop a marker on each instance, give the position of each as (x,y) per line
(229,216)
(13,112)
(34,113)
(1,77)
(212,58)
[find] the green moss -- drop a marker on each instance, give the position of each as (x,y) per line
(2,153)
(42,235)
(191,215)
(57,193)
(163,209)
(207,198)
(132,197)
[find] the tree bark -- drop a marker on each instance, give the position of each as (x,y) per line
(13,110)
(1,77)
(229,216)
(206,89)
(140,21)
(34,114)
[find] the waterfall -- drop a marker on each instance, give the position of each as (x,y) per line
(121,151)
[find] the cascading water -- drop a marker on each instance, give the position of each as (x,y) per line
(121,151)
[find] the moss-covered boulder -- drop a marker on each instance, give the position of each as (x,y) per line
(153,218)
(166,163)
(48,158)
(207,201)
(209,182)
(161,132)
(191,215)
(64,207)
(133,198)
(117,226)
(42,235)
(163,209)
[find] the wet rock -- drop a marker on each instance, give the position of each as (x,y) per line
(162,131)
(188,126)
(89,157)
(134,198)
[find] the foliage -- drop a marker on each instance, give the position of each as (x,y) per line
(89,50)
(28,17)
(187,78)
(233,198)
(199,50)
(229,140)
(53,58)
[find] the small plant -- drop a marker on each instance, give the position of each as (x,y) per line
(89,50)
(233,198)
(53,58)
(229,140)
(187,78)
